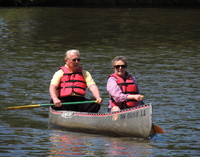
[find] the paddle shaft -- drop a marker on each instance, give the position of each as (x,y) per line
(42,105)
(71,103)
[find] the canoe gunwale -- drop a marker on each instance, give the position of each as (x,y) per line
(100,114)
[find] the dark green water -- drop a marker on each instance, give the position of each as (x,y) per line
(163,50)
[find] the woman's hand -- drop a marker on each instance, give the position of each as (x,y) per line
(137,97)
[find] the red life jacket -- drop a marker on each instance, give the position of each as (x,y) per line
(71,82)
(127,86)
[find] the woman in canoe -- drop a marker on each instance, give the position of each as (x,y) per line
(122,87)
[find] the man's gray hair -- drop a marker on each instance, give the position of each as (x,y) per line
(119,58)
(69,51)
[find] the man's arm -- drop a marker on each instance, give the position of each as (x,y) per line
(95,91)
(52,90)
(53,87)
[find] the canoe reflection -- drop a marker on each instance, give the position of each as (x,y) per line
(74,144)
(66,145)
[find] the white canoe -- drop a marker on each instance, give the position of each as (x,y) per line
(132,122)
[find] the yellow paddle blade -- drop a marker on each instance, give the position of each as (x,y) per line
(22,107)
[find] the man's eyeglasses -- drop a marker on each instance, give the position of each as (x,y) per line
(118,66)
(76,59)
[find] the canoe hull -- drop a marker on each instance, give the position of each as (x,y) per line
(133,122)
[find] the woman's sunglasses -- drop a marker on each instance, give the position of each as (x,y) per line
(118,66)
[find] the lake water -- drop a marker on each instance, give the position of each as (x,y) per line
(163,49)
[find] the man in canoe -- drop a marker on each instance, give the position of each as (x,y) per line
(122,87)
(69,84)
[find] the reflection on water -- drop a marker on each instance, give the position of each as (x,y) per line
(70,144)
(66,145)
(163,49)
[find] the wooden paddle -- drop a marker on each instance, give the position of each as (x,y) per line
(41,105)
(156,129)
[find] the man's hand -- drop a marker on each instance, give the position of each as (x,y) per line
(57,102)
(99,100)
